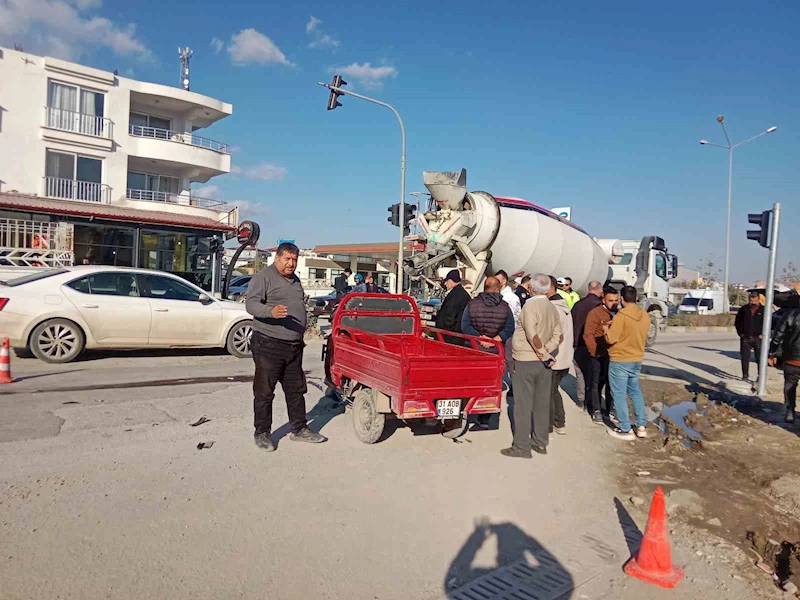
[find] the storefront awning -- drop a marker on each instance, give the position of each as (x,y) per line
(49,206)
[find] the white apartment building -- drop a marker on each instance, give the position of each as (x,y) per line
(100,168)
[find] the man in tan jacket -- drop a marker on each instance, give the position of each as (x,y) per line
(535,338)
(626,337)
(597,346)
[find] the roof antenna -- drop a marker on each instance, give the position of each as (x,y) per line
(185,54)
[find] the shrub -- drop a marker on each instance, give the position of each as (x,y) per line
(701,320)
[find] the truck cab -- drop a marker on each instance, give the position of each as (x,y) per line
(646,265)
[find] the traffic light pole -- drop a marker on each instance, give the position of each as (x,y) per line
(399,286)
(766,328)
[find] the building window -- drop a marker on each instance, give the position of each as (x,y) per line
(317,273)
(74,108)
(158,188)
(149,126)
(186,255)
(103,245)
(73,177)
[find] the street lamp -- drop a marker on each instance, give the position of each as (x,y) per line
(336,90)
(730,147)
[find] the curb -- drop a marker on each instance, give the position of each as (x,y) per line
(699,330)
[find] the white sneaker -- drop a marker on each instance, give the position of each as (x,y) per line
(641,432)
(622,435)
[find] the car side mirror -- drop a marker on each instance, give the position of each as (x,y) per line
(204,300)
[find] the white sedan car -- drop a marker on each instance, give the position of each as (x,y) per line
(57,313)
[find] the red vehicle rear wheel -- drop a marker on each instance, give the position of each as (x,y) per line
(368,423)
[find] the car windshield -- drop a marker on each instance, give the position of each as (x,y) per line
(705,302)
(32,277)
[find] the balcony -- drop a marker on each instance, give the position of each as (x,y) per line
(73,189)
(170,198)
(180,137)
(76,128)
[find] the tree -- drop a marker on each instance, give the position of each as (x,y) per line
(708,269)
(736,296)
(790,273)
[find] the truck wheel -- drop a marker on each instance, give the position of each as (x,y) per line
(453,428)
(368,423)
(653,333)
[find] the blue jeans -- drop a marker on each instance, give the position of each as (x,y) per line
(624,380)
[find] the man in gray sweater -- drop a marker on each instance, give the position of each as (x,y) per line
(275,299)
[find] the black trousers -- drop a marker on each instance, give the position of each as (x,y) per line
(791,375)
(746,345)
(557,416)
(598,379)
(278,361)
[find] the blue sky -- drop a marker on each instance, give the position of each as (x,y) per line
(598,106)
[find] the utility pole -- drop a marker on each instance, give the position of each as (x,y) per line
(766,329)
(336,90)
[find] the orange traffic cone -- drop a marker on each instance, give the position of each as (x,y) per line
(654,561)
(5,362)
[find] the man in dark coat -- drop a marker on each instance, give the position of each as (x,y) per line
(451,310)
(748,323)
(582,308)
(340,283)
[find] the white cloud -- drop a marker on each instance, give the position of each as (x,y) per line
(312,24)
(366,74)
(324,41)
(234,149)
(63,29)
(217,44)
(321,39)
(251,46)
(262,172)
(212,192)
(130,72)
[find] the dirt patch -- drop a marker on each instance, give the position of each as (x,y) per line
(728,466)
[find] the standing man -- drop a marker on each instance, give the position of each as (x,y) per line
(510,298)
(563,360)
(340,283)
(275,299)
(786,346)
(592,300)
(594,337)
(452,309)
(537,336)
(523,290)
(566,292)
(749,319)
(626,337)
(487,316)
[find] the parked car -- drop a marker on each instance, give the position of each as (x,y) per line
(238,287)
(57,313)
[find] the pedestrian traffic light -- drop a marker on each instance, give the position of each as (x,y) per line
(333,100)
(409,214)
(395,218)
(762,234)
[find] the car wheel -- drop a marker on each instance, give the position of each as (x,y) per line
(368,423)
(57,341)
(239,340)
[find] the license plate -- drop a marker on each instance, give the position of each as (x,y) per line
(448,409)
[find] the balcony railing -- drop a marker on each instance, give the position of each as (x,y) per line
(68,120)
(180,137)
(170,198)
(72,189)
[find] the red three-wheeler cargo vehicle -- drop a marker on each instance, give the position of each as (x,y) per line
(385,364)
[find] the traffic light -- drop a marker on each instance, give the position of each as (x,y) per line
(395,218)
(408,217)
(762,234)
(216,245)
(333,100)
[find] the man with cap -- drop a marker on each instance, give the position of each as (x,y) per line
(566,292)
(451,310)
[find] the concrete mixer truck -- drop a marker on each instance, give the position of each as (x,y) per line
(480,233)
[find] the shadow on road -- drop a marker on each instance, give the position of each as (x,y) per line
(322,413)
(90,355)
(631,531)
(728,353)
(710,369)
(513,545)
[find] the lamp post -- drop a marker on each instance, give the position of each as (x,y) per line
(336,91)
(730,148)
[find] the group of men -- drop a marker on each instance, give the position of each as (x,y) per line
(545,328)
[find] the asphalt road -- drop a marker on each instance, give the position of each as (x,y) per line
(105,494)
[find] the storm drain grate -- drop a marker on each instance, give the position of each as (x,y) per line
(551,578)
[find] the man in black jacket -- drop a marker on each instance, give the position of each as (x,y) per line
(786,346)
(748,323)
(593,299)
(449,315)
(340,283)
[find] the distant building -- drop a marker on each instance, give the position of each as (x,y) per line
(100,168)
(686,275)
